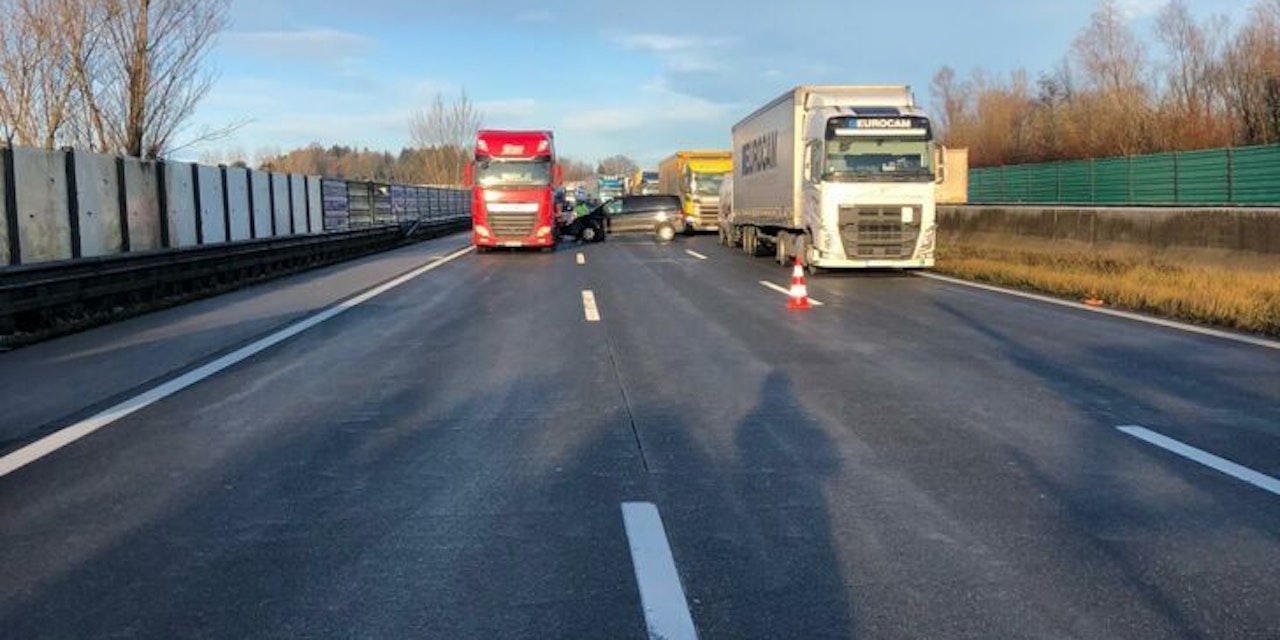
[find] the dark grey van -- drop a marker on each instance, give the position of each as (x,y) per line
(659,215)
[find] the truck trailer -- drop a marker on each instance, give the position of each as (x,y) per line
(839,176)
(695,176)
(513,179)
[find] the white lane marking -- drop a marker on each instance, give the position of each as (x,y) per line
(59,439)
(582,259)
(666,612)
(695,254)
(1239,472)
(787,292)
(1171,324)
(589,306)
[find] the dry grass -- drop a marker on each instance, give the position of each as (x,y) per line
(1212,288)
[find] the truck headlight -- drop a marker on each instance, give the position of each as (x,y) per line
(542,231)
(482,230)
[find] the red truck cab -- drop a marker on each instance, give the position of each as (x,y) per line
(513,179)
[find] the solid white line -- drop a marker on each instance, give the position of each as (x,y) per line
(589,306)
(666,612)
(1239,472)
(582,259)
(695,254)
(1171,324)
(59,439)
(787,292)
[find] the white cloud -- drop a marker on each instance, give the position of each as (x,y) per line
(309,44)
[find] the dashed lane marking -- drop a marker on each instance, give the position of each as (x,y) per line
(1239,472)
(695,254)
(589,306)
(666,611)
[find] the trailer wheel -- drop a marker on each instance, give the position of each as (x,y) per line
(749,241)
(782,247)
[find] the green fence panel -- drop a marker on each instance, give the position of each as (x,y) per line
(1015,183)
(1111,181)
(1214,177)
(1202,177)
(1042,183)
(984,185)
(1255,175)
(1077,182)
(1153,179)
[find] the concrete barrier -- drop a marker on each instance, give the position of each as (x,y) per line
(6,256)
(298,204)
(238,212)
(213,218)
(260,188)
(315,205)
(60,205)
(280,205)
(141,186)
(98,205)
(1233,229)
(44,224)
(180,217)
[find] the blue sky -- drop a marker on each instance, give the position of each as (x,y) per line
(640,78)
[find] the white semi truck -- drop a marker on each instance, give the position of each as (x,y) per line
(841,176)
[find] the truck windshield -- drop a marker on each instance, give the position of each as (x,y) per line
(862,159)
(706,184)
(513,173)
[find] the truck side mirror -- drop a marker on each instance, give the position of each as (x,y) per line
(468,174)
(941,164)
(559,174)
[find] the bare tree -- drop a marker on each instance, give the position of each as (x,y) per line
(444,134)
(1251,76)
(41,43)
(617,165)
(143,85)
(575,170)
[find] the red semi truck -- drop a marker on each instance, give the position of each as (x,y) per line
(513,179)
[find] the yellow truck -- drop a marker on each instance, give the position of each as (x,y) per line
(696,176)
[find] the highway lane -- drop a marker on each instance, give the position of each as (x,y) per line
(914,459)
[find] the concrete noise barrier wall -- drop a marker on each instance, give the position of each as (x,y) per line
(67,204)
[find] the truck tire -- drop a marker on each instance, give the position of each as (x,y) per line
(589,233)
(782,247)
(749,241)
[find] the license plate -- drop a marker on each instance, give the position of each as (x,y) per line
(513,244)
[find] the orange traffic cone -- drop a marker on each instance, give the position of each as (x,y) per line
(799,296)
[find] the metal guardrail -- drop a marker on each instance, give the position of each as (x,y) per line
(45,300)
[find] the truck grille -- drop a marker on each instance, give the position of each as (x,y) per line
(708,214)
(878,232)
(512,225)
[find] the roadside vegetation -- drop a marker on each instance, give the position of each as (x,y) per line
(1203,287)
(1126,86)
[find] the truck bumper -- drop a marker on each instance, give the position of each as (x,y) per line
(843,263)
(481,241)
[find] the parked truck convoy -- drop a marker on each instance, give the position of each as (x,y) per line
(695,176)
(840,176)
(513,177)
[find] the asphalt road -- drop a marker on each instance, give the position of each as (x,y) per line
(449,459)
